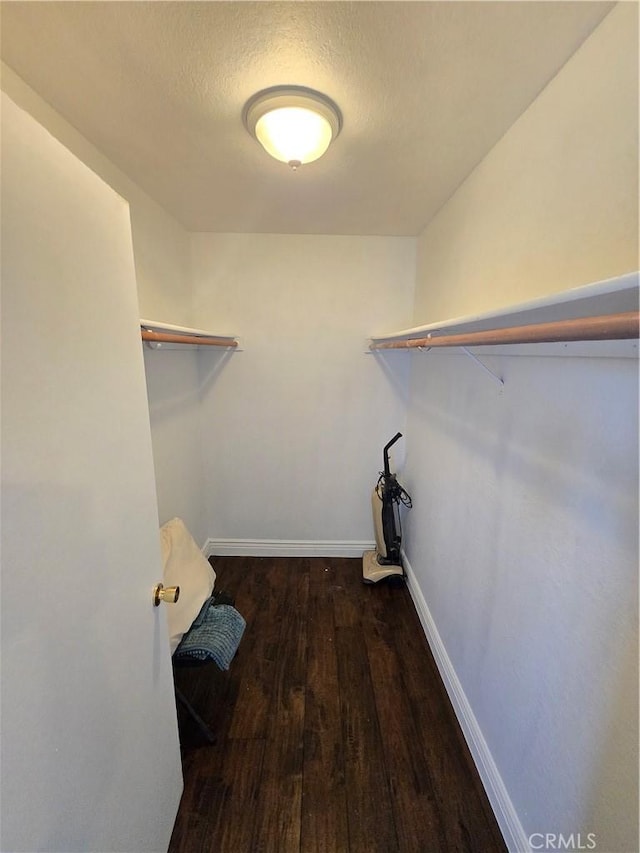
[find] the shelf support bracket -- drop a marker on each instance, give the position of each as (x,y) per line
(493,375)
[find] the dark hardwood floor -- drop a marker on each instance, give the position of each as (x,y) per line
(333,729)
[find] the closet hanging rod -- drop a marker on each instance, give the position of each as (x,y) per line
(607,327)
(194,340)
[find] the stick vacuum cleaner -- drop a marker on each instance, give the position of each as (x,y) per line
(388,494)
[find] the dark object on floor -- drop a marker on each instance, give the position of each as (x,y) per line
(213,637)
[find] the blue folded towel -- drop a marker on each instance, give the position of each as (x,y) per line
(214,635)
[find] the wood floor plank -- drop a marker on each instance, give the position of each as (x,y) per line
(324,827)
(415,806)
(191,833)
(369,809)
(240,786)
(278,811)
(201,804)
(265,607)
(456,784)
(334,731)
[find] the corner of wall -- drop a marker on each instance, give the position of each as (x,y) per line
(554,204)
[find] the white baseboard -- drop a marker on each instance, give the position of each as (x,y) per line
(284,548)
(506,815)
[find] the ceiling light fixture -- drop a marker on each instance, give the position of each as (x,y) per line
(292,123)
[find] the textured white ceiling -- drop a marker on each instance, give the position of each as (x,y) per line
(425,88)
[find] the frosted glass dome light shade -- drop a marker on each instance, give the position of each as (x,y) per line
(293,124)
(294,134)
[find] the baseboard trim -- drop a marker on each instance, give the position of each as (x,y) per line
(506,815)
(284,548)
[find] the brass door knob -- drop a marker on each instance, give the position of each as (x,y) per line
(168,594)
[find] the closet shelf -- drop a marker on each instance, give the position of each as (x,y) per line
(603,311)
(167,335)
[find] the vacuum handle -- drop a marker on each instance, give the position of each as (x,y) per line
(385,453)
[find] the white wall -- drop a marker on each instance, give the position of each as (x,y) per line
(524,532)
(523,538)
(555,203)
(174,411)
(162,258)
(294,426)
(161,244)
